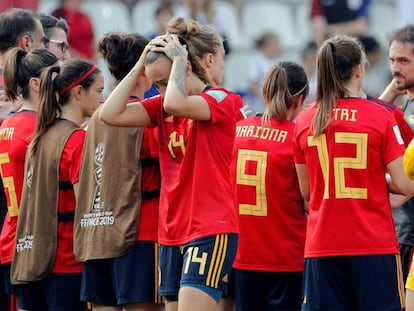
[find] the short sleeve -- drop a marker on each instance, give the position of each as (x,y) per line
(298,154)
(154,108)
(224,106)
(393,146)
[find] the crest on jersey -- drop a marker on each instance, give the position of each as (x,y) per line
(99,154)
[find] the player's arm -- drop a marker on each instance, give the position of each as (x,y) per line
(399,182)
(303,179)
(76,189)
(177,101)
(116,110)
(408,161)
(391,92)
(397,200)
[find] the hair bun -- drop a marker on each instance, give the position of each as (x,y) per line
(183,27)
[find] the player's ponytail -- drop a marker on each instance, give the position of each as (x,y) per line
(282,85)
(20,66)
(336,61)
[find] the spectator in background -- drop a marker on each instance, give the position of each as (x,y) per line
(339,17)
(81,37)
(377,73)
(206,13)
(309,54)
(268,53)
(56,35)
(163,13)
(23,4)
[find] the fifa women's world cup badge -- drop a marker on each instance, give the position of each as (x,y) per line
(97,215)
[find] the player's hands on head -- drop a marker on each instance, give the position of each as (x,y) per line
(169,45)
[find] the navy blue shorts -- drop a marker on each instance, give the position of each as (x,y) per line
(262,290)
(204,263)
(9,287)
(132,278)
(230,286)
(353,283)
(57,292)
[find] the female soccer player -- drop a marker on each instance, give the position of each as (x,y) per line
(197,228)
(117,211)
(44,239)
(270,278)
(344,147)
(21,78)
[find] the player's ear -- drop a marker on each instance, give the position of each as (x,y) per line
(25,42)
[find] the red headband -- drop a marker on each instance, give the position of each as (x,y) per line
(76,82)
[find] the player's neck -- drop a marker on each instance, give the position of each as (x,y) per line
(29,104)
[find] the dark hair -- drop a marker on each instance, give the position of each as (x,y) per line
(15,23)
(282,84)
(264,38)
(370,44)
(121,51)
(20,66)
(164,6)
(52,81)
(49,22)
(336,61)
(404,34)
(310,47)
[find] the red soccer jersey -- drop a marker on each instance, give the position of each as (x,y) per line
(69,168)
(150,181)
(15,134)
(349,210)
(195,156)
(172,135)
(405,129)
(267,198)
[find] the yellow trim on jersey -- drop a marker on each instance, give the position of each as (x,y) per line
(217,260)
(408,160)
(157,280)
(410,279)
(400,282)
